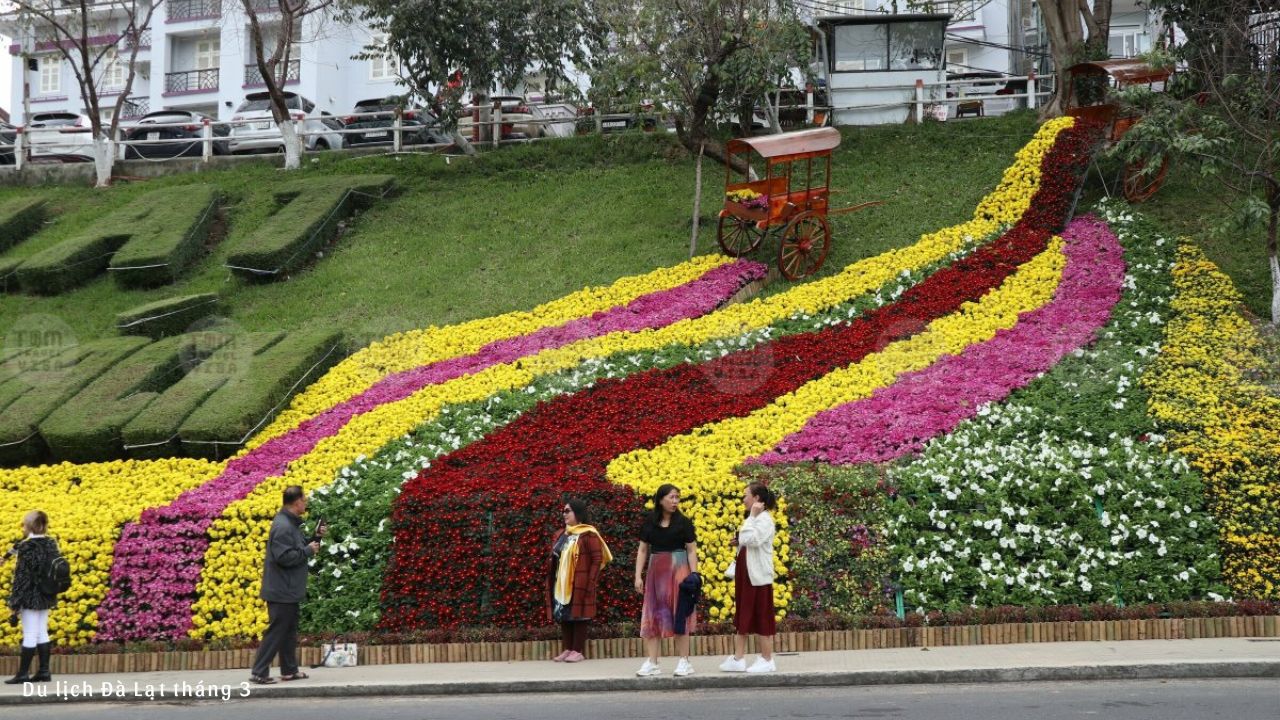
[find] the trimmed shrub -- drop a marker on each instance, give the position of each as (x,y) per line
(169,239)
(20,218)
(77,259)
(44,385)
(87,428)
(250,399)
(170,316)
(153,433)
(8,275)
(309,218)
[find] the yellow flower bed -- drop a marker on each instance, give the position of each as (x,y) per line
(701,462)
(87,505)
(228,604)
(407,350)
(1226,425)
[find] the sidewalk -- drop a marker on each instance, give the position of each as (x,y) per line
(1135,659)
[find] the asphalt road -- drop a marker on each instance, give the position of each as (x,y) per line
(1112,700)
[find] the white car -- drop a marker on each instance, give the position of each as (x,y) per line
(254,130)
(59,136)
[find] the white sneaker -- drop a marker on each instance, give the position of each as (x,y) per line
(761,665)
(734,664)
(649,669)
(683,668)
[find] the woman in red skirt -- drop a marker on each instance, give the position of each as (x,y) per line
(753,582)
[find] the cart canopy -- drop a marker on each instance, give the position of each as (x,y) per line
(1124,71)
(790,143)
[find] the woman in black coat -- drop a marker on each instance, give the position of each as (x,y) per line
(35,554)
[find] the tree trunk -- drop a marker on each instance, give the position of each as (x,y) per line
(463,144)
(104,156)
(292,145)
(1062,22)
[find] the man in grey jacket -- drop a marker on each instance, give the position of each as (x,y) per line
(284,587)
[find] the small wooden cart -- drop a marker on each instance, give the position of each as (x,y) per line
(793,195)
(1091,97)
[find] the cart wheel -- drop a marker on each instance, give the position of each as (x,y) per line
(737,237)
(804,246)
(1139,187)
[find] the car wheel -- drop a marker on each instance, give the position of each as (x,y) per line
(322,145)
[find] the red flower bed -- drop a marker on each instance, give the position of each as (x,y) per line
(472,531)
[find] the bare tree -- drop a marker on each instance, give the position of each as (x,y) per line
(274,65)
(1078,30)
(71,26)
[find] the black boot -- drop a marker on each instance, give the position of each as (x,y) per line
(42,675)
(24,667)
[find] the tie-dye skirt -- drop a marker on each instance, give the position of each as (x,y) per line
(661,592)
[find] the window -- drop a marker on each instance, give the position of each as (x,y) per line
(208,54)
(1128,42)
(385,66)
(887,46)
(845,7)
(861,47)
(114,71)
(958,58)
(50,75)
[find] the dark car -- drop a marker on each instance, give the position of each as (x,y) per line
(184,127)
(419,126)
(8,138)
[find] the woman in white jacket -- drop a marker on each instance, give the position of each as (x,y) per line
(753,582)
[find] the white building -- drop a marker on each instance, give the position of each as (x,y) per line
(198,55)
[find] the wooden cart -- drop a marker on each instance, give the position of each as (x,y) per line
(1091,97)
(792,198)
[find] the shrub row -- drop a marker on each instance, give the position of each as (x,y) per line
(8,274)
(73,261)
(311,213)
(154,433)
(20,218)
(169,316)
(169,238)
(87,428)
(257,386)
(42,380)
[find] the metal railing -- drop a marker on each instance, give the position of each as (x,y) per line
(293,73)
(135,107)
(192,9)
(143,40)
(191,80)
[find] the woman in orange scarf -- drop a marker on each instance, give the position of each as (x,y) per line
(578,554)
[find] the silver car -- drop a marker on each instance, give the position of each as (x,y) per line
(254,130)
(60,136)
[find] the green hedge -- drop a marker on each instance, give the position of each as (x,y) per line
(80,258)
(44,384)
(169,238)
(249,399)
(170,316)
(8,274)
(154,432)
(87,428)
(308,219)
(20,218)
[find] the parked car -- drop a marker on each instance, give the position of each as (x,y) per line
(616,117)
(979,85)
(254,128)
(60,136)
(185,127)
(517,120)
(419,126)
(8,138)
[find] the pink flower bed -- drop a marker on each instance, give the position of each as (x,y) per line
(921,405)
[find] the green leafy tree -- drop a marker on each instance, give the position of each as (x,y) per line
(1231,131)
(445,47)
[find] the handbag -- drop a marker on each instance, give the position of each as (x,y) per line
(339,655)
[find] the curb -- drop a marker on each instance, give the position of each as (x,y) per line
(1148,671)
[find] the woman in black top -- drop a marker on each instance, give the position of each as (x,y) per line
(35,555)
(669,552)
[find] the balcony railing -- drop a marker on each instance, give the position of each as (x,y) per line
(293,73)
(135,107)
(143,40)
(178,10)
(191,81)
